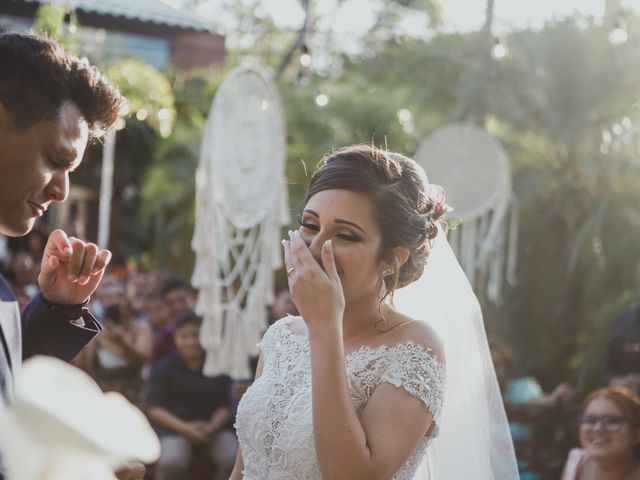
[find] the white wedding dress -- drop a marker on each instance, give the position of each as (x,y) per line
(274,419)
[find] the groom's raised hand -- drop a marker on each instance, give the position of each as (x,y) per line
(71,269)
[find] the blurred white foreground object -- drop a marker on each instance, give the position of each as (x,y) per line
(62,427)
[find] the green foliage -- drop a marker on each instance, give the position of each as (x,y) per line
(49,18)
(148,93)
(167,209)
(50,21)
(561,88)
(168,200)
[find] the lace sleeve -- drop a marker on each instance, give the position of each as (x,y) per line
(419,372)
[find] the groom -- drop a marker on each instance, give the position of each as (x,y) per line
(51,104)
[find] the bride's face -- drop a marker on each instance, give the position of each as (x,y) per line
(346,217)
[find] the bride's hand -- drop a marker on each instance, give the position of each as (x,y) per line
(315,290)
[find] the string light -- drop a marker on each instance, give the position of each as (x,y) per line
(70,21)
(499,49)
(322,100)
(305,57)
(618,34)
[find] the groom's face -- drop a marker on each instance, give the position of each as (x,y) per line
(35,163)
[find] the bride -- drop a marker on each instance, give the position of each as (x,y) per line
(354,388)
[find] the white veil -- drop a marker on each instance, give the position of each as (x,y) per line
(474,439)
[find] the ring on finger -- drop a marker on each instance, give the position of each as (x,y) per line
(290,270)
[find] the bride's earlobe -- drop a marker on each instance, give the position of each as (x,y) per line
(401,255)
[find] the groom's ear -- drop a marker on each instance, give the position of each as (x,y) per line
(6,119)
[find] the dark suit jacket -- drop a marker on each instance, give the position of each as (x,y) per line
(40,331)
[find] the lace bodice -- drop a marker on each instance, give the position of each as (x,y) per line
(274,419)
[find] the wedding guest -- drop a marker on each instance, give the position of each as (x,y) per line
(115,359)
(609,430)
(191,411)
(622,361)
(178,298)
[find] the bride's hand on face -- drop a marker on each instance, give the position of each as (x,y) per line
(316,290)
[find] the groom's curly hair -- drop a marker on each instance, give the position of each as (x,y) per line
(396,186)
(37,76)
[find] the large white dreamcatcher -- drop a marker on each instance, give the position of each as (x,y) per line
(241,204)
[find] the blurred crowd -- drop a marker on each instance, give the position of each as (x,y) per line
(556,435)
(149,351)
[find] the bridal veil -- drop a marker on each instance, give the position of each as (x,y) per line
(474,439)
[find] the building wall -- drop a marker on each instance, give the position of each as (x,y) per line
(106,38)
(197,49)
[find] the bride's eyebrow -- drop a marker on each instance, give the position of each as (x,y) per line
(337,220)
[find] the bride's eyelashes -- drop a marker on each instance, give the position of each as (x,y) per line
(311,227)
(349,238)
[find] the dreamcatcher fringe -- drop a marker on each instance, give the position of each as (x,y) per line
(233,320)
(486,248)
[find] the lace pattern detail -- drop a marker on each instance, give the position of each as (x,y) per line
(274,419)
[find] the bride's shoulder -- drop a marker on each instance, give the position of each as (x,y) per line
(293,323)
(422,334)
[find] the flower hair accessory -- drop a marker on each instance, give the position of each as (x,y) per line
(436,195)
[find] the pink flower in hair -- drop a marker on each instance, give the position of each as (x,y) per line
(440,208)
(437,196)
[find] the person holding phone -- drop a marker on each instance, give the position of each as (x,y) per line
(116,357)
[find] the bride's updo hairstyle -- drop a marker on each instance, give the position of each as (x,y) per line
(396,186)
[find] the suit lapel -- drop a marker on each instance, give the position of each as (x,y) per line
(10,338)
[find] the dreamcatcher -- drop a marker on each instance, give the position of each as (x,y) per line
(474,171)
(240,207)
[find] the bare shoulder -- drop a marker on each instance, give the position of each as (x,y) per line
(421,333)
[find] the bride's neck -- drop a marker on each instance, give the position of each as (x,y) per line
(359,319)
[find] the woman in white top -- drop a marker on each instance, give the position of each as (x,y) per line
(352,388)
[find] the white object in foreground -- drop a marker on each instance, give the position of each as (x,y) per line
(62,427)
